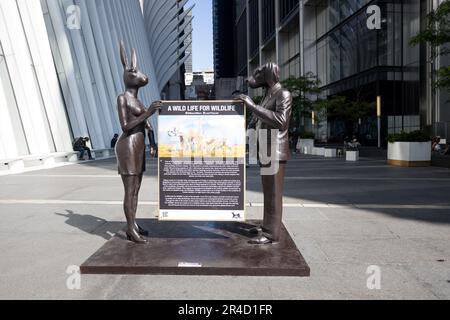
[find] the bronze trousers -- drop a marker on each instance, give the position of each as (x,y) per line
(273,187)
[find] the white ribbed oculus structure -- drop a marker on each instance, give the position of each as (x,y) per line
(169,30)
(58,82)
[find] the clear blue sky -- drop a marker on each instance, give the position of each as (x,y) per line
(202,35)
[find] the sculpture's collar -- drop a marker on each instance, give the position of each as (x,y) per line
(274,89)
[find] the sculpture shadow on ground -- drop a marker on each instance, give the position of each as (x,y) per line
(91,224)
(158,230)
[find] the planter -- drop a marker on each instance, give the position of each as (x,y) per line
(318,151)
(409,154)
(330,153)
(352,156)
(305,146)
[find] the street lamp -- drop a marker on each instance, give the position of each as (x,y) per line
(379,120)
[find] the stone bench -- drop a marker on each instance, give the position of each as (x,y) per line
(316,151)
(13,165)
(330,153)
(37,161)
(103,153)
(19,164)
(66,157)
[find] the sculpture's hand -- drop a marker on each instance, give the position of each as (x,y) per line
(247,101)
(156,106)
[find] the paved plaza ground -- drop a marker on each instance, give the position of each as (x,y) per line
(344,217)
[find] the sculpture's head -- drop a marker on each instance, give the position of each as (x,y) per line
(265,76)
(132,76)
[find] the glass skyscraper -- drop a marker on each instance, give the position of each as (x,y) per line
(331,39)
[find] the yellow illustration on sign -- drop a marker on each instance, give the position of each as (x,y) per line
(207,138)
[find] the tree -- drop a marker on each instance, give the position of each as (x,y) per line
(304,89)
(437,35)
(341,108)
(351,111)
(331,106)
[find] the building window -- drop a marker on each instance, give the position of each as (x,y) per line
(254,26)
(286,8)
(241,44)
(268,19)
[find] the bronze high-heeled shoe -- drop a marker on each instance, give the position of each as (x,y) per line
(136,238)
(255,230)
(142,231)
(260,240)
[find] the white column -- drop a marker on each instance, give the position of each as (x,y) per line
(136,18)
(130,16)
(116,23)
(44,66)
(66,68)
(8,142)
(112,46)
(107,68)
(116,38)
(105,109)
(153,88)
(124,15)
(85,83)
(22,75)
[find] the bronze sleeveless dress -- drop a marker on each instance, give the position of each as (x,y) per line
(130,148)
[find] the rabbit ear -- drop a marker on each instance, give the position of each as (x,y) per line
(123,55)
(133,59)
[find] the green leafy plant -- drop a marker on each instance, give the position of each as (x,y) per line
(415,136)
(341,108)
(437,35)
(304,91)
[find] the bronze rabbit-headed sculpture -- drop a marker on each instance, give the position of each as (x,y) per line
(130,148)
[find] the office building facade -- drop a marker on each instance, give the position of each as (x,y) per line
(331,39)
(223,35)
(188,64)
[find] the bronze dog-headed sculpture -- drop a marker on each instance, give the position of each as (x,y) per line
(274,113)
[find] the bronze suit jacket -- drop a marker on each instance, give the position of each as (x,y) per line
(274,114)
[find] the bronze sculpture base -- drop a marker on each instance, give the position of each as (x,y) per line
(198,248)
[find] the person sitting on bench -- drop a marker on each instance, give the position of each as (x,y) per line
(80,145)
